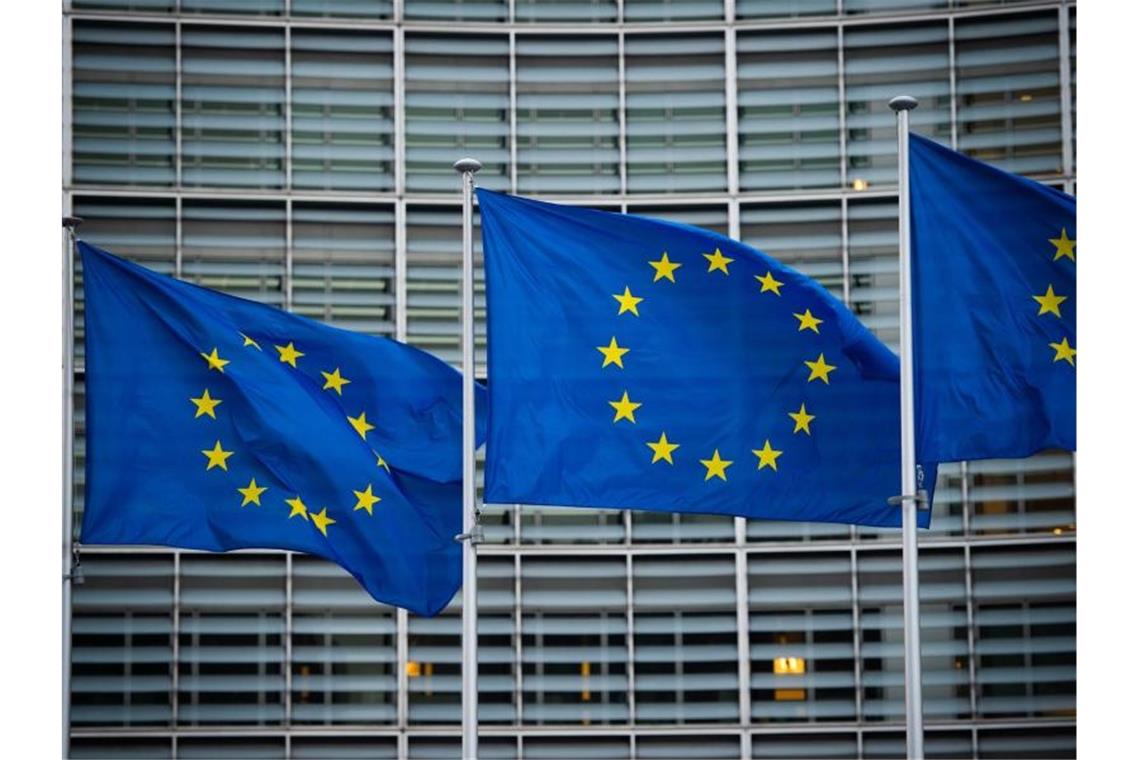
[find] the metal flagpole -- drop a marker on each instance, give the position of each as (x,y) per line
(902,105)
(70,562)
(471,534)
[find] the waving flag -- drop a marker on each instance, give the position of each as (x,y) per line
(218,423)
(643,364)
(995,309)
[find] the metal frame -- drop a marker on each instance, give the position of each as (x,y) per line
(741,549)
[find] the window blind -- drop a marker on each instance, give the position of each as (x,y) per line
(879,63)
(344,265)
(788,101)
(567,114)
(233,107)
(122,103)
(675,113)
(567,11)
(1009,97)
(342,111)
(235,247)
(457,103)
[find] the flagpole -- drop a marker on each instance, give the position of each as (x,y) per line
(467,167)
(902,106)
(70,565)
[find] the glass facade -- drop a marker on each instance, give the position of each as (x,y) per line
(298,152)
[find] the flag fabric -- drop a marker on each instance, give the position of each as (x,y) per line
(994,273)
(643,364)
(218,423)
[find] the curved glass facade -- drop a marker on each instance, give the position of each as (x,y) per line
(299,152)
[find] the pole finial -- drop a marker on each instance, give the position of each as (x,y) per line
(71,222)
(465,165)
(902,103)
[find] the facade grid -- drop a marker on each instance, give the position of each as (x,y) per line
(298,152)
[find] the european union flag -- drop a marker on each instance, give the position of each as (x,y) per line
(995,309)
(643,364)
(217,423)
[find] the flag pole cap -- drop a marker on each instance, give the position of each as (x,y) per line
(465,165)
(902,103)
(71,222)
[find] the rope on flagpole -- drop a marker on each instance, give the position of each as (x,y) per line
(472,533)
(910,498)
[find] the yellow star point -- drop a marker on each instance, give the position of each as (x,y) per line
(365,499)
(297,508)
(628,302)
(248,341)
(216,457)
(808,321)
(624,408)
(767,456)
(613,353)
(716,466)
(662,449)
(213,361)
(361,425)
(205,404)
(820,369)
(663,267)
(1064,246)
(289,355)
(803,420)
(1065,352)
(334,381)
(768,283)
(381,463)
(251,494)
(1050,302)
(323,521)
(718,261)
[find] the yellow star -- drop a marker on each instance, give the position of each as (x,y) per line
(381,463)
(803,420)
(664,268)
(819,368)
(613,353)
(718,260)
(248,341)
(1050,302)
(769,283)
(205,404)
(217,457)
(628,302)
(335,381)
(365,499)
(252,493)
(808,321)
(767,455)
(289,355)
(323,521)
(1064,351)
(716,466)
(1064,246)
(214,361)
(298,506)
(361,425)
(662,449)
(624,408)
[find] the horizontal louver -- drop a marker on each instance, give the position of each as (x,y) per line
(675,113)
(342,111)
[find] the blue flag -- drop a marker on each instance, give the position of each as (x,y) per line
(995,309)
(643,364)
(218,423)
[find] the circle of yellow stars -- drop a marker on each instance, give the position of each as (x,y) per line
(217,457)
(614,354)
(1049,302)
